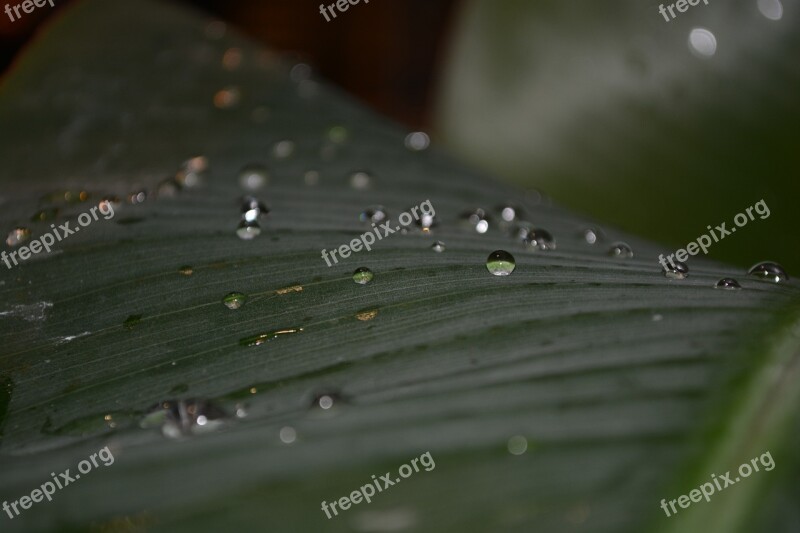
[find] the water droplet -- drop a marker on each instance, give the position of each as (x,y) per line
(593,235)
(362,275)
(18,236)
(478,219)
(538,238)
(338,134)
(772,9)
(288,435)
(253,176)
(311,177)
(283,149)
(517,445)
(261,338)
(438,247)
(500,263)
(677,270)
(366,316)
(374,213)
(287,290)
(232,58)
(361,180)
(509,212)
(137,197)
(702,42)
(48,213)
(131,321)
(417,141)
(186,270)
(768,271)
(109,204)
(728,284)
(620,250)
(253,209)
(227,98)
(184,417)
(326,402)
(248,231)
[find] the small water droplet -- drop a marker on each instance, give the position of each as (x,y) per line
(137,197)
(593,235)
(620,250)
(373,213)
(18,236)
(338,134)
(253,209)
(478,219)
(509,212)
(253,176)
(768,271)
(283,149)
(227,98)
(234,300)
(131,321)
(517,445)
(261,338)
(728,284)
(326,402)
(361,180)
(500,263)
(186,270)
(362,275)
(184,417)
(677,270)
(702,42)
(366,316)
(48,213)
(417,141)
(288,434)
(248,230)
(438,247)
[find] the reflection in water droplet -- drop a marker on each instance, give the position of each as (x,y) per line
(366,316)
(517,445)
(184,417)
(500,263)
(417,141)
(478,219)
(772,9)
(131,321)
(253,209)
(248,230)
(676,270)
(234,300)
(283,149)
(186,270)
(253,176)
(227,98)
(360,180)
(702,42)
(261,338)
(621,250)
(768,271)
(18,236)
(728,283)
(288,434)
(438,247)
(373,213)
(362,275)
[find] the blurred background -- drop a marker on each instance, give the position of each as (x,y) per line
(658,127)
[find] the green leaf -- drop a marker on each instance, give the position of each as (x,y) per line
(622,382)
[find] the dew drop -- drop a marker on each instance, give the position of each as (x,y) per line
(537,238)
(500,263)
(288,435)
(517,445)
(374,214)
(593,235)
(137,197)
(509,212)
(261,338)
(417,141)
(361,180)
(18,236)
(184,417)
(227,98)
(234,300)
(362,275)
(768,271)
(253,209)
(620,250)
(438,247)
(702,42)
(478,219)
(677,270)
(728,284)
(283,149)
(186,270)
(248,231)
(366,316)
(253,176)
(326,402)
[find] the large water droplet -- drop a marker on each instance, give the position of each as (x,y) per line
(500,263)
(676,270)
(417,141)
(184,417)
(374,213)
(477,218)
(261,338)
(253,176)
(438,247)
(253,209)
(234,300)
(768,271)
(362,275)
(702,42)
(728,284)
(248,230)
(620,250)
(18,236)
